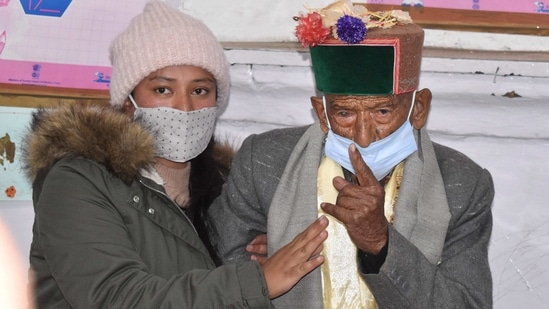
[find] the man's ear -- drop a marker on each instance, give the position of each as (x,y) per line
(421,108)
(316,102)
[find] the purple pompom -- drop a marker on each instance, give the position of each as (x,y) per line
(350,29)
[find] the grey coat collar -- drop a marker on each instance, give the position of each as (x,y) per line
(293,208)
(421,212)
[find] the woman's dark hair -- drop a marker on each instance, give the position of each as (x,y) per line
(206,182)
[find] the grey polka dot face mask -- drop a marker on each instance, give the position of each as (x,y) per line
(180,136)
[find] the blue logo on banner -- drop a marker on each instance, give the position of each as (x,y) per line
(101,78)
(36,71)
(53,8)
(541,7)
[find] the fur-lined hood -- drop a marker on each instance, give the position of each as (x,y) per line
(99,133)
(96,132)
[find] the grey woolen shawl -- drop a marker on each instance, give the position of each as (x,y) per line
(421,211)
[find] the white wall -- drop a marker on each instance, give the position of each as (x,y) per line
(271,21)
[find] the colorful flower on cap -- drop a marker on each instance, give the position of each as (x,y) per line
(310,30)
(343,21)
(351,29)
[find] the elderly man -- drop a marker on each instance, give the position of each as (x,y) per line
(410,219)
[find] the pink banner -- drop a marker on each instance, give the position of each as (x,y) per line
(54,74)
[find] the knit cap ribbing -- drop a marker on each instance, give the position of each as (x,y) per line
(159,37)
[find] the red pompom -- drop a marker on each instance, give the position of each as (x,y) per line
(310,31)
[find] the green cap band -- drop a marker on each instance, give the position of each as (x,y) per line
(354,69)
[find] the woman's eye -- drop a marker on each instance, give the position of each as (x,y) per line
(163,90)
(200,91)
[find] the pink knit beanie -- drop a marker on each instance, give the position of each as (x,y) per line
(160,37)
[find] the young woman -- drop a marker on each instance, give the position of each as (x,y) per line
(119,191)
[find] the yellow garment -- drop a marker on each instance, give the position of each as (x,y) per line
(392,187)
(343,286)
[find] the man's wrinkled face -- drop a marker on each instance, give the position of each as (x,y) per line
(365,119)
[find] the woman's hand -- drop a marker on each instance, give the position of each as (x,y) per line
(258,248)
(295,260)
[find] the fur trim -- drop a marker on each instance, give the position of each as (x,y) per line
(96,132)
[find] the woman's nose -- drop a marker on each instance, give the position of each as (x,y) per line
(184,103)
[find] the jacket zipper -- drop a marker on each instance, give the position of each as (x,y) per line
(172,202)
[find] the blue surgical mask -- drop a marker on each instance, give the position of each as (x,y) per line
(380,156)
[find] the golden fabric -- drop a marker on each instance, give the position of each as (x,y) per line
(343,286)
(392,187)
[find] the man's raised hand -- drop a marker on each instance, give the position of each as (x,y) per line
(360,206)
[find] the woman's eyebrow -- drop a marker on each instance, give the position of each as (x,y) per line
(161,77)
(205,79)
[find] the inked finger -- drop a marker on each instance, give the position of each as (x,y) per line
(364,174)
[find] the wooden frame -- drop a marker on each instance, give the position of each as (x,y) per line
(473,20)
(16,95)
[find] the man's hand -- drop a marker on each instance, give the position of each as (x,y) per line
(360,207)
(258,248)
(295,260)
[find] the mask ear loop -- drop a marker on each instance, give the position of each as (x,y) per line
(412,107)
(133,101)
(325,113)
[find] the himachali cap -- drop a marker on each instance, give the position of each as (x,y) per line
(357,52)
